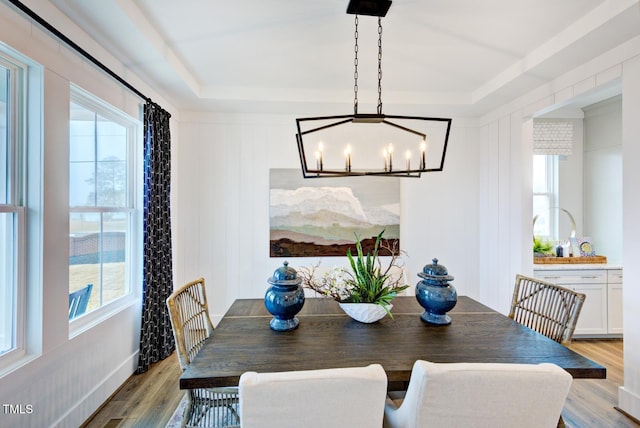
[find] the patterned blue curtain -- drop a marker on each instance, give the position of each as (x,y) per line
(156,337)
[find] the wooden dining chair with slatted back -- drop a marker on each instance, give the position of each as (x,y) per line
(189,314)
(547,308)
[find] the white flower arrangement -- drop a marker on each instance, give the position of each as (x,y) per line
(367,281)
(334,283)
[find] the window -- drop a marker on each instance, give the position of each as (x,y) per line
(103,221)
(545,196)
(12,209)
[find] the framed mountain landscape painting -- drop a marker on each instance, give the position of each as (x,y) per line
(325,217)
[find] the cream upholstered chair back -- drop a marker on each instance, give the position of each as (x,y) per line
(343,397)
(546,308)
(481,395)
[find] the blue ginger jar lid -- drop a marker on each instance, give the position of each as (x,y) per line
(435,274)
(285,275)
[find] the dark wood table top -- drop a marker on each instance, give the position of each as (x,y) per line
(328,338)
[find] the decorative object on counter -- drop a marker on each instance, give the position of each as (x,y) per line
(541,248)
(563,249)
(368,282)
(544,230)
(575,248)
(583,253)
(559,251)
(435,294)
(284,298)
(586,247)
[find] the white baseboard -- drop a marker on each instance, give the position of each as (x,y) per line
(629,402)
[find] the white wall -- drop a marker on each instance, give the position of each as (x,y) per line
(505,210)
(603,178)
(66,380)
(505,217)
(571,184)
(629,394)
(223,205)
(475,216)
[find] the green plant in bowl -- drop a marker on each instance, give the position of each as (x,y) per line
(541,248)
(368,280)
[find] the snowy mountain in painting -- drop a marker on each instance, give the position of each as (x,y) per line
(384,215)
(325,207)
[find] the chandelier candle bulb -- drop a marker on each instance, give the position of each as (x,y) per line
(384,156)
(390,151)
(408,154)
(347,154)
(423,149)
(320,161)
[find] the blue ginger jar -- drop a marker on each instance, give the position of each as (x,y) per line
(435,294)
(284,298)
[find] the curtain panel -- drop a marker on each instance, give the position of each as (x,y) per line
(156,336)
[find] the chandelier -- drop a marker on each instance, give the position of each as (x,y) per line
(371,144)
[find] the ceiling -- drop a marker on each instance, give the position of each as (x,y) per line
(458,56)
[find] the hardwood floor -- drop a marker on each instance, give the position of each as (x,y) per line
(145,400)
(148,400)
(591,402)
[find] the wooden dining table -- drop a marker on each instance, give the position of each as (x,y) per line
(327,338)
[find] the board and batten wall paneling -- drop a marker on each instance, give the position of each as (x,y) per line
(629,394)
(521,202)
(603,177)
(495,213)
(228,239)
(438,213)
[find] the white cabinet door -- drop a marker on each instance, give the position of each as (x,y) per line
(593,319)
(614,300)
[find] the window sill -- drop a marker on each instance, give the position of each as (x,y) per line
(89,320)
(12,362)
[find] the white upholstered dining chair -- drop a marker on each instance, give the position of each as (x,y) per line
(351,397)
(480,395)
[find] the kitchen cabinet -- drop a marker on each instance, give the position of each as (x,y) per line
(614,300)
(601,314)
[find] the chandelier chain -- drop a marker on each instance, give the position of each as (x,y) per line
(379,65)
(355,72)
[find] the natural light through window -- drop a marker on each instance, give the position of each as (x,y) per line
(12,218)
(102,216)
(7,221)
(545,171)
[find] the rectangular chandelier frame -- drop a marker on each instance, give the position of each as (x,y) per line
(319,171)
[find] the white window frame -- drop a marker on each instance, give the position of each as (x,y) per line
(25,140)
(133,270)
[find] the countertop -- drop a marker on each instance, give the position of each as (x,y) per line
(577,266)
